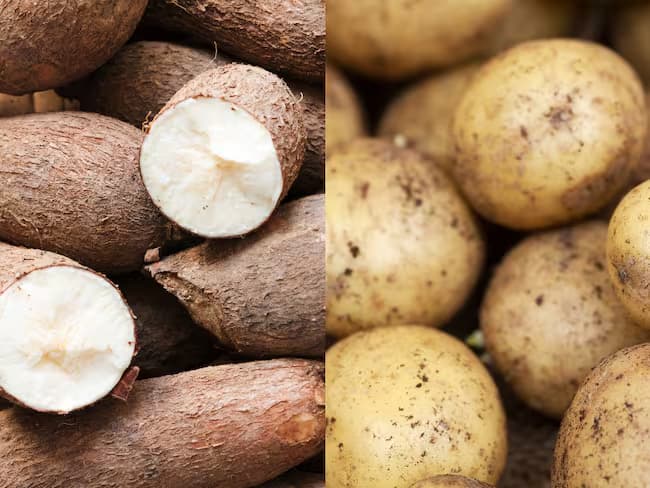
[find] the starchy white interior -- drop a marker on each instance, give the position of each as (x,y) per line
(211,167)
(66,338)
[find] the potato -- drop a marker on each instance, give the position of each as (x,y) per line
(549,300)
(630,35)
(421,116)
(397,39)
(628,257)
(450,481)
(604,435)
(548,132)
(344,119)
(406,403)
(48,44)
(402,245)
(534,19)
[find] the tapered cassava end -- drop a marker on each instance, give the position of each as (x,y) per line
(224,151)
(66,338)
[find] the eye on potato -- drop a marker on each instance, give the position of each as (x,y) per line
(402,245)
(550,314)
(548,132)
(397,39)
(422,114)
(603,440)
(406,403)
(344,119)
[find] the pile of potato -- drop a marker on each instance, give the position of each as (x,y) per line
(162,228)
(488,249)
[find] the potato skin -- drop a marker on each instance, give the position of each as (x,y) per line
(423,113)
(344,118)
(450,481)
(45,45)
(551,299)
(408,402)
(628,260)
(397,39)
(604,434)
(402,245)
(548,132)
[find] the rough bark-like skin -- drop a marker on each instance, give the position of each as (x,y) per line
(282,35)
(44,45)
(267,98)
(297,480)
(232,426)
(71,184)
(168,340)
(262,296)
(15,263)
(137,83)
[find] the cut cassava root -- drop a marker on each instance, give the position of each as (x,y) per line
(66,334)
(232,426)
(281,35)
(44,45)
(224,151)
(71,185)
(263,296)
(141,78)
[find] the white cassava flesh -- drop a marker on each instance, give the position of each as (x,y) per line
(66,338)
(211,167)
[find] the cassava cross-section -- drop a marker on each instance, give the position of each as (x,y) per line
(66,334)
(224,151)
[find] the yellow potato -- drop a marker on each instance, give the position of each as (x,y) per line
(628,253)
(402,245)
(396,39)
(550,314)
(450,481)
(548,132)
(631,36)
(534,19)
(344,119)
(421,116)
(603,441)
(406,403)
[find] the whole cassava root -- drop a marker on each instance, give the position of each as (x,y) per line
(224,151)
(262,296)
(141,78)
(281,35)
(70,184)
(233,426)
(67,335)
(168,341)
(44,45)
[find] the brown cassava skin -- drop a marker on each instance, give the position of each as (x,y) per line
(15,263)
(450,481)
(71,185)
(232,426)
(141,78)
(267,98)
(280,35)
(168,340)
(549,300)
(603,440)
(262,296)
(44,45)
(296,480)
(345,119)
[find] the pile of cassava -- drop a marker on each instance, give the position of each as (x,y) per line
(162,228)
(488,174)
